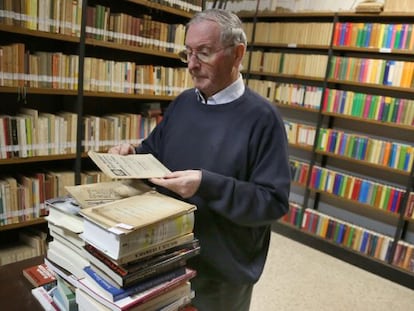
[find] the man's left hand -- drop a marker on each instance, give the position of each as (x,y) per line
(184,183)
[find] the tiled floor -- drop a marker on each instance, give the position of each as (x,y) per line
(297,277)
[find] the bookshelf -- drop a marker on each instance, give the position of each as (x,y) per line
(346,97)
(89,75)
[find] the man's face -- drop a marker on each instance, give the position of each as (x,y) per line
(218,71)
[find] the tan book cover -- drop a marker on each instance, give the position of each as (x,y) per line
(132,213)
(138,166)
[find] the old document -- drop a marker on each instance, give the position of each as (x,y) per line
(103,192)
(139,166)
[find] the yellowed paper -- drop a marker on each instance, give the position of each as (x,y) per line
(138,166)
(137,211)
(99,193)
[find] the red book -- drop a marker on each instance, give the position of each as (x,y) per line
(315,222)
(303,174)
(410,205)
(40,275)
(356,189)
(348,32)
(337,32)
(396,206)
(313,177)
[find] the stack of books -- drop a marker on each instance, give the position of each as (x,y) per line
(137,248)
(120,245)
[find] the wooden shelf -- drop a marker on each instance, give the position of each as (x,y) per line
(33,222)
(38,34)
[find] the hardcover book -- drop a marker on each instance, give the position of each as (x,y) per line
(138,300)
(121,227)
(114,293)
(129,274)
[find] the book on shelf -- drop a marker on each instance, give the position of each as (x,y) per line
(121,227)
(132,272)
(36,240)
(40,275)
(129,166)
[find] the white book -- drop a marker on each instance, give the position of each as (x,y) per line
(66,258)
(45,299)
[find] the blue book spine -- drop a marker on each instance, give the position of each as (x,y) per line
(119,293)
(341,231)
(332,145)
(394,202)
(363,193)
(368,34)
(364,243)
(364,148)
(337,184)
(343,144)
(393,156)
(342,34)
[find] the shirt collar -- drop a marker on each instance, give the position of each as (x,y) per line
(229,94)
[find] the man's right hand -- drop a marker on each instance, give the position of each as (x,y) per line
(122,149)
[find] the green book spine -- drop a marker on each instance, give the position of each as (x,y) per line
(374,194)
(402,157)
(349,242)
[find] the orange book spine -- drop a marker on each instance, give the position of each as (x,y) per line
(387,153)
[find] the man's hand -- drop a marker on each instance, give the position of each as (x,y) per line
(122,149)
(184,183)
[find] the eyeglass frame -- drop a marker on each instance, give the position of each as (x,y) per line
(186,54)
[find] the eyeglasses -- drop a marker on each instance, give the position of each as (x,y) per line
(204,56)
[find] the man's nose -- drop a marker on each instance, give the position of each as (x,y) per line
(193,61)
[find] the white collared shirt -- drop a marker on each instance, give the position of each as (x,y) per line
(229,94)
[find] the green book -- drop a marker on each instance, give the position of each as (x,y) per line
(374,194)
(397,40)
(352,68)
(384,203)
(343,185)
(336,231)
(350,146)
(355,104)
(360,35)
(402,157)
(349,242)
(373,107)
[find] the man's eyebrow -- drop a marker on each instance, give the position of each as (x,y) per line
(198,48)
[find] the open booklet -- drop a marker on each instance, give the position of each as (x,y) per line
(103,192)
(138,166)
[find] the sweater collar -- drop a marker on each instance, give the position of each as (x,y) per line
(227,95)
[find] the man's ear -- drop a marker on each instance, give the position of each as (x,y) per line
(239,51)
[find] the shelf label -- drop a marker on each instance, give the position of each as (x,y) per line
(385,50)
(292,45)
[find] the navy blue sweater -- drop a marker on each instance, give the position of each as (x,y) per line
(241,148)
